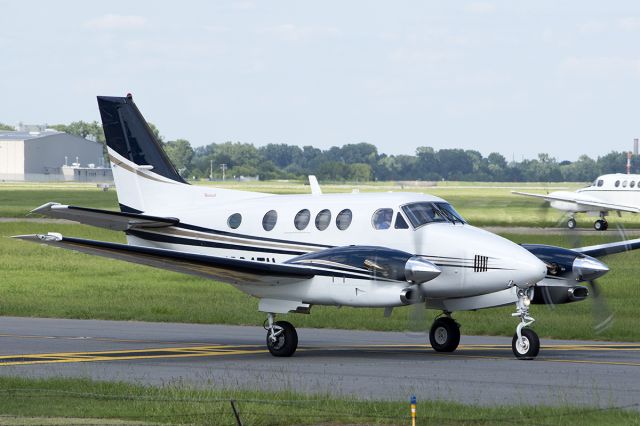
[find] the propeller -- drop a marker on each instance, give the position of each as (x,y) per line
(417,322)
(602,315)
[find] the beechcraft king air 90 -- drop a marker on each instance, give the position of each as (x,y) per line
(613,192)
(295,251)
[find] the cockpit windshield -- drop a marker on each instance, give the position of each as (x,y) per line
(422,213)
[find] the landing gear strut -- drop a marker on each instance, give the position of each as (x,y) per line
(282,338)
(525,343)
(444,335)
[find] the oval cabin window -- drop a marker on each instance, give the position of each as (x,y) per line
(343,220)
(234,220)
(323,219)
(632,184)
(617,183)
(382,218)
(624,184)
(269,220)
(302,219)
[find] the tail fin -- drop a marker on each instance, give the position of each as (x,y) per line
(128,134)
(146,181)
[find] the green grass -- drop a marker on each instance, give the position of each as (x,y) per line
(71,400)
(42,281)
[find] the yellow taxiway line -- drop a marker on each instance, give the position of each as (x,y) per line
(198,350)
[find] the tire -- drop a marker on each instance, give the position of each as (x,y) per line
(286,342)
(605,225)
(571,223)
(598,225)
(444,335)
(531,345)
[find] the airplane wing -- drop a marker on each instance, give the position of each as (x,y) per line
(233,271)
(582,201)
(117,221)
(609,248)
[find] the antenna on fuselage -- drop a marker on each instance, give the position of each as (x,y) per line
(315,186)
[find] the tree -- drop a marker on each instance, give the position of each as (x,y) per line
(180,153)
(7,127)
(360,172)
(83,129)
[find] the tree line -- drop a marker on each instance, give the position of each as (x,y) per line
(361,162)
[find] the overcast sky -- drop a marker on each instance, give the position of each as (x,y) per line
(519,78)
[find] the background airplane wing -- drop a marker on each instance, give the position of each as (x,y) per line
(233,271)
(117,221)
(582,202)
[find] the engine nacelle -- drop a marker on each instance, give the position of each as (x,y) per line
(558,295)
(567,264)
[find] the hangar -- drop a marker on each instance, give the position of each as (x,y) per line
(48,155)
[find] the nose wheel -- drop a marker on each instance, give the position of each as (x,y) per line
(525,343)
(282,338)
(444,335)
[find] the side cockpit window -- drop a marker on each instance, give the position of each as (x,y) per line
(400,222)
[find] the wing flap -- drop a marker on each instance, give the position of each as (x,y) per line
(117,221)
(233,271)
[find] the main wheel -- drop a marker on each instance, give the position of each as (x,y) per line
(286,339)
(599,225)
(444,335)
(529,347)
(571,223)
(605,225)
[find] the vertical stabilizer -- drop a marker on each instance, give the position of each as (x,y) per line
(128,134)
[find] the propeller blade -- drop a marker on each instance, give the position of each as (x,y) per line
(602,315)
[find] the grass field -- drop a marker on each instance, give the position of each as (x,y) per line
(482,204)
(43,281)
(77,401)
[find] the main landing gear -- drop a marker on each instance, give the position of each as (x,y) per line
(282,338)
(525,343)
(601,224)
(444,335)
(571,223)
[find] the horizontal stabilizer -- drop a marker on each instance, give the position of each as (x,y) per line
(233,271)
(117,221)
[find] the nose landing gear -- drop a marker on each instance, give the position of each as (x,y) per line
(525,343)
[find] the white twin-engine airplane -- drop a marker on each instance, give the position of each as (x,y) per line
(294,251)
(614,192)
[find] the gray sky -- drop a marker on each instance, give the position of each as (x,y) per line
(517,77)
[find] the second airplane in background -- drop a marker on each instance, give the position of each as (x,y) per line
(614,192)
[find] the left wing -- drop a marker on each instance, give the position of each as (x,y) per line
(233,271)
(590,202)
(117,221)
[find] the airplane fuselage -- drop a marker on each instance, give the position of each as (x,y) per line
(276,228)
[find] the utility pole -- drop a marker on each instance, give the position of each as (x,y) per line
(223,166)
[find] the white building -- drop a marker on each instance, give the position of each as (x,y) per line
(37,156)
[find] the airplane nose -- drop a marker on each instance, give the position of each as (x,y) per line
(529,269)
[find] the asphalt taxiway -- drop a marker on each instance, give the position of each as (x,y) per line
(378,365)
